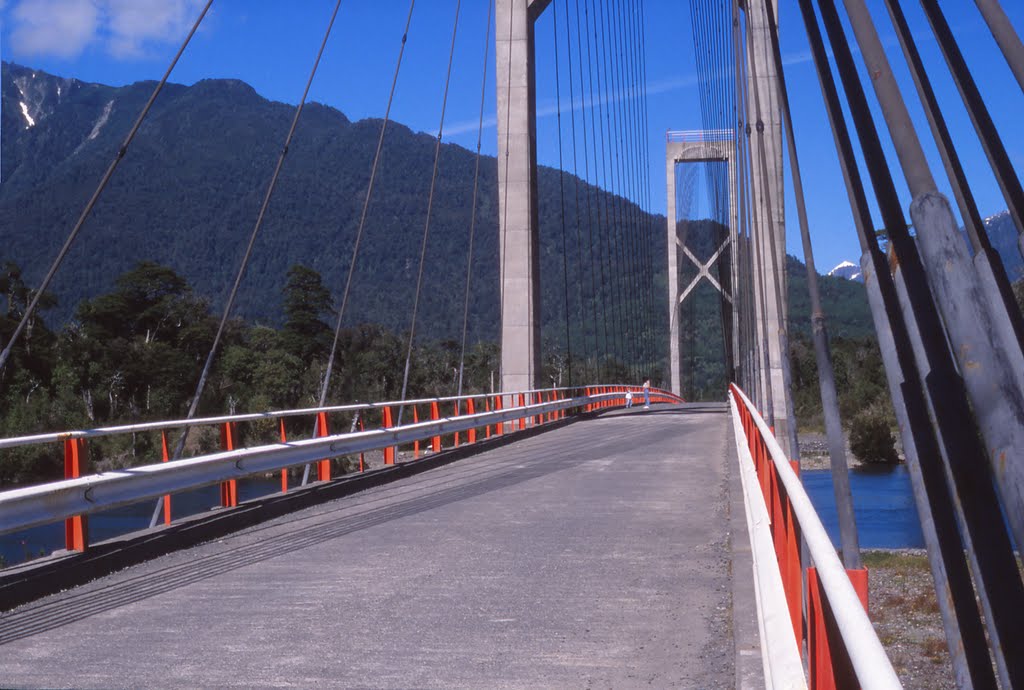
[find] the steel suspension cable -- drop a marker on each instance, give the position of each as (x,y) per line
(604,249)
(984,528)
(121,151)
(325,384)
(590,372)
(826,376)
(651,229)
(211,355)
(594,296)
(643,294)
(476,186)
(561,191)
(430,207)
(612,184)
(626,187)
(971,661)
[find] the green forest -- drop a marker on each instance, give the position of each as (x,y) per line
(136,352)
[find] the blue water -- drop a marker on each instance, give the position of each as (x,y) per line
(883,505)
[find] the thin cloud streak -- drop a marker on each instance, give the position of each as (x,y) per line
(550,109)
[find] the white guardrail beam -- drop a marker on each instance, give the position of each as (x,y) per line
(6,443)
(55,501)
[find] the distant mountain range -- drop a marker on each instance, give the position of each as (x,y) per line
(189,189)
(1003,235)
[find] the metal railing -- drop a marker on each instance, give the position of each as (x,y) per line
(842,647)
(81,494)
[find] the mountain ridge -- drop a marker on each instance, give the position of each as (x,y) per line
(188,191)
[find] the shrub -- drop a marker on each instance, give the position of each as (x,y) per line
(870,437)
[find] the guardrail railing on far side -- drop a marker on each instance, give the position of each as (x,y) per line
(81,493)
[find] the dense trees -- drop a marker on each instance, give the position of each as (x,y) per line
(135,353)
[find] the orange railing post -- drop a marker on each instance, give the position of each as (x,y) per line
(455,408)
(790,564)
(284,471)
(828,664)
(522,403)
(165,457)
(500,427)
(435,414)
(416,443)
(362,458)
(471,410)
(323,467)
(228,489)
(76,529)
(389,452)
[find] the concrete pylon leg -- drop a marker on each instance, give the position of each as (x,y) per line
(673,278)
(517,194)
(734,278)
(769,198)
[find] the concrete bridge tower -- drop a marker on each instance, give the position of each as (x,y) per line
(519,262)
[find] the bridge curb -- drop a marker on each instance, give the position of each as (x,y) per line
(749,667)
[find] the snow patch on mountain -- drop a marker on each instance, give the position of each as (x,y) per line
(28,118)
(104,116)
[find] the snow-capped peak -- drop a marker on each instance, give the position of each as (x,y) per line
(846,269)
(999,216)
(844,264)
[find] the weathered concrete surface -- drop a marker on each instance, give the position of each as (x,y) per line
(596,555)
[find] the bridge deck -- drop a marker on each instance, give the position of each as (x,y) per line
(594,555)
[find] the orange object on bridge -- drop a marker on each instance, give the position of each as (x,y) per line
(323,467)
(228,489)
(165,457)
(362,459)
(828,664)
(389,452)
(76,529)
(435,414)
(471,409)
(284,472)
(416,443)
(455,408)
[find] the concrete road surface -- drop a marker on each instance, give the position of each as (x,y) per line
(596,555)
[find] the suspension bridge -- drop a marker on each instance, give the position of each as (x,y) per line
(598,530)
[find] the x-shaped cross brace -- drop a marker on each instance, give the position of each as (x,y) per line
(704,270)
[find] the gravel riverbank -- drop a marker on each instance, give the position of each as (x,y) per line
(903,607)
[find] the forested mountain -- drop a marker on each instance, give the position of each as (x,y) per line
(188,192)
(187,195)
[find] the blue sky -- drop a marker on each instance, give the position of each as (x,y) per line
(271,45)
